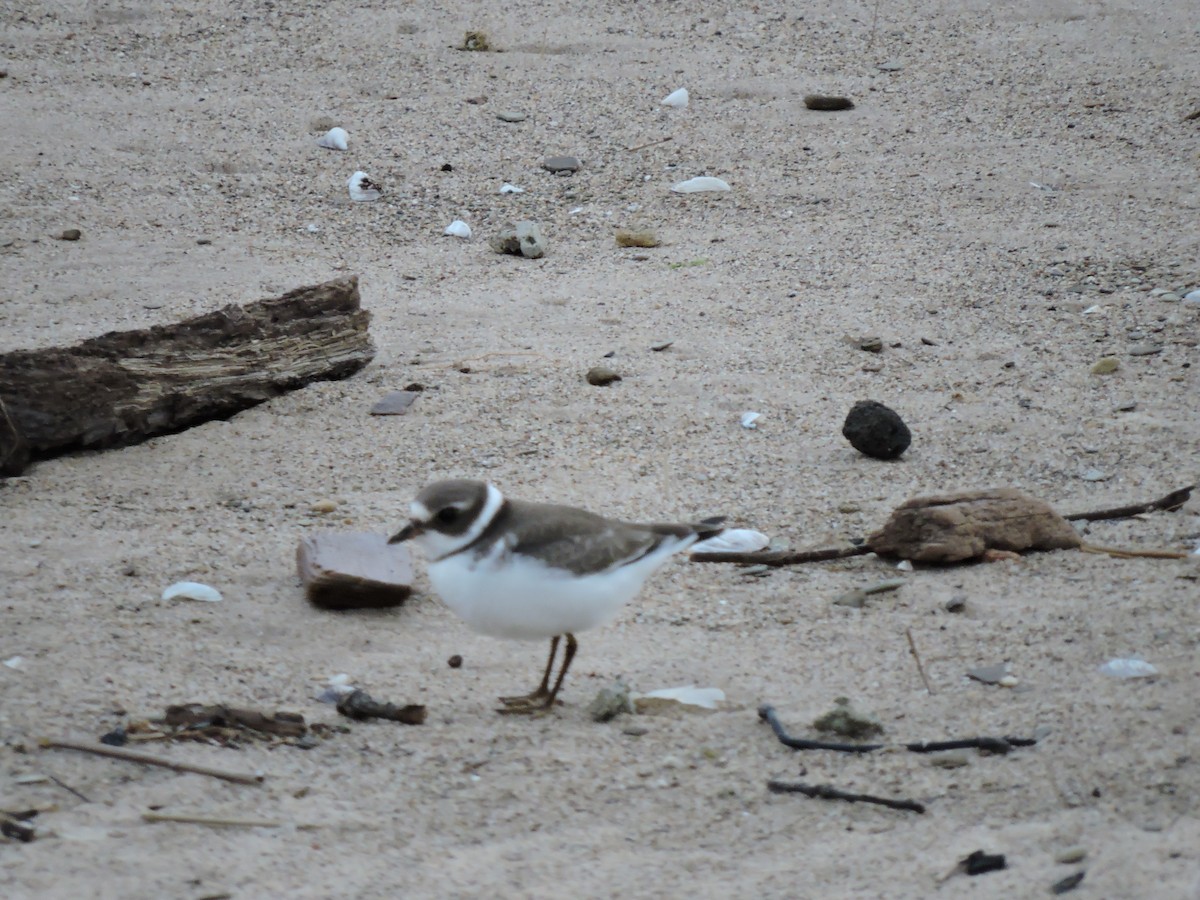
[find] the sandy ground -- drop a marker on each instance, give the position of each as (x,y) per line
(998,208)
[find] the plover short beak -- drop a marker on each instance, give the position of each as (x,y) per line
(411,530)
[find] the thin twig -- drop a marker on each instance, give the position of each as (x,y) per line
(150,760)
(912,645)
(669,137)
(1120,553)
(829,792)
(782,557)
(1171,501)
(67,787)
(215,820)
(999,746)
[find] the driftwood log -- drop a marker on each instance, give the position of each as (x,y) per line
(126,386)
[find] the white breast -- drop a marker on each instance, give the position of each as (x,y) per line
(509,596)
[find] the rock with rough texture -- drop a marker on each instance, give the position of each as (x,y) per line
(523,239)
(562,164)
(954,527)
(876,430)
(345,570)
(602,376)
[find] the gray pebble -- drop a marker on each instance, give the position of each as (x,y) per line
(890,66)
(956,604)
(1126,405)
(509,115)
(1145,349)
(529,237)
(1093,475)
(602,376)
(1071,855)
(610,702)
(558,164)
(953,759)
(1169,297)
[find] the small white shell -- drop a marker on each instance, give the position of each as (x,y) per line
(15,662)
(678,99)
(362,188)
(905,565)
(334,139)
(192,590)
(458,228)
(749,419)
(690,695)
(733,540)
(507,188)
(703,183)
(1128,668)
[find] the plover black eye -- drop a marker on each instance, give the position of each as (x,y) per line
(447,515)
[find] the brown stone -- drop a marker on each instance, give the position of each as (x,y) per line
(347,570)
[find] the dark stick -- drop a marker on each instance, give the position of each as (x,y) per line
(1172,501)
(912,645)
(999,746)
(782,557)
(67,787)
(358,704)
(829,792)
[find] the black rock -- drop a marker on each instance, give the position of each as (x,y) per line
(875,430)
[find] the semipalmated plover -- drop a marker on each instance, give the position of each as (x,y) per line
(530,571)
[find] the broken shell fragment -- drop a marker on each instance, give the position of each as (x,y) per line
(458,228)
(676,99)
(733,540)
(192,590)
(334,139)
(749,419)
(363,189)
(698,185)
(507,188)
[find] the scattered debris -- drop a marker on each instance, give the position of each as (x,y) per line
(192,590)
(876,430)
(857,598)
(677,99)
(346,570)
(953,527)
(562,165)
(847,721)
(70,234)
(188,818)
(645,238)
(686,697)
(999,746)
(334,139)
(151,760)
(476,41)
(700,185)
(1072,881)
(362,188)
(989,674)
(1128,668)
(610,702)
(827,103)
(523,239)
(733,540)
(15,825)
(358,704)
(395,404)
(980,863)
(229,723)
(828,792)
(337,687)
(601,376)
(458,228)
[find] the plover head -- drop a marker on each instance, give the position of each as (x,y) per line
(449,515)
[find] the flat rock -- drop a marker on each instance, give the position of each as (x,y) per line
(558,164)
(954,527)
(395,404)
(348,570)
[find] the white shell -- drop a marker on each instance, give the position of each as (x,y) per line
(1128,668)
(458,228)
(678,99)
(334,139)
(905,565)
(191,590)
(362,188)
(733,540)
(749,418)
(15,662)
(507,188)
(690,695)
(703,183)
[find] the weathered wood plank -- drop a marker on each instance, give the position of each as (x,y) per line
(126,386)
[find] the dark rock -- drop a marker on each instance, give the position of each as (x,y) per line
(875,430)
(826,103)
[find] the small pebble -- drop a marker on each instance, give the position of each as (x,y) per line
(1145,349)
(1169,297)
(871,344)
(324,506)
(610,702)
(601,376)
(827,103)
(1094,475)
(1063,885)
(890,66)
(953,759)
(1009,681)
(454,662)
(1071,855)
(627,238)
(1126,406)
(989,674)
(956,604)
(846,720)
(635,730)
(1106,365)
(557,164)
(71,234)
(875,430)
(508,115)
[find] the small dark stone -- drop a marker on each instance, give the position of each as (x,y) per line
(71,234)
(875,430)
(826,103)
(979,863)
(446,167)
(454,662)
(203,242)
(601,376)
(115,738)
(1069,883)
